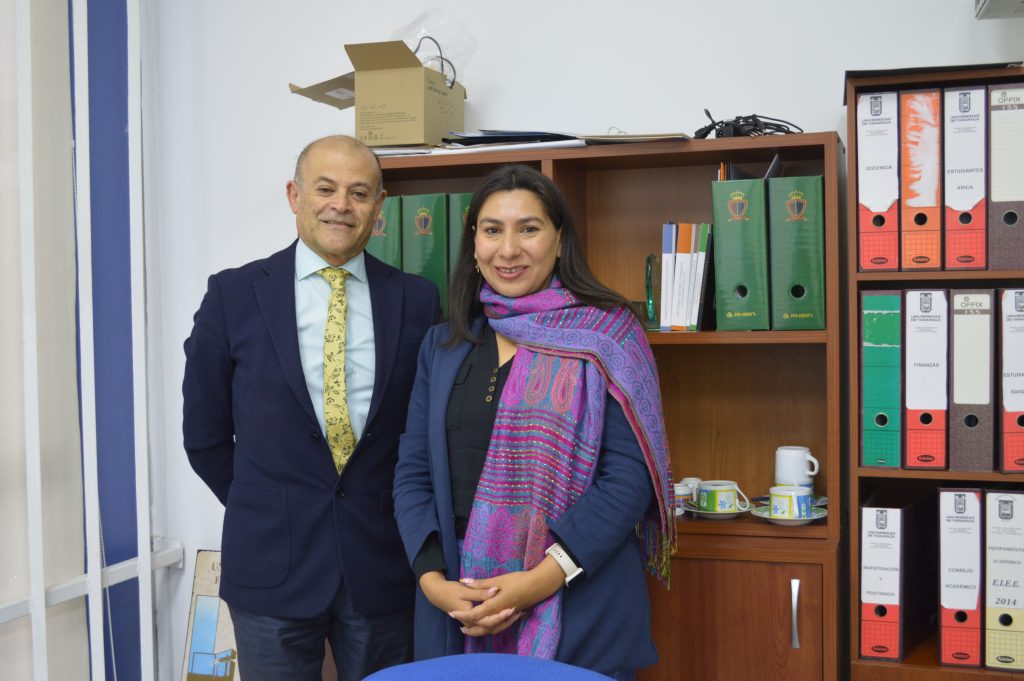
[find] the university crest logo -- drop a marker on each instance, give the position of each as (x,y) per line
(796,207)
(738,205)
(379,224)
(424,220)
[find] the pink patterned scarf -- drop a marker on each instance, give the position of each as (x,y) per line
(547,438)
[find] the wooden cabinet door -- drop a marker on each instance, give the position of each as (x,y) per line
(729,620)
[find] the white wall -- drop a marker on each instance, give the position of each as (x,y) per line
(223,130)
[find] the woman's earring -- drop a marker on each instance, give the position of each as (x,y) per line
(477,268)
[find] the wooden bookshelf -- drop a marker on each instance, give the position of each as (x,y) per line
(730,398)
(922,662)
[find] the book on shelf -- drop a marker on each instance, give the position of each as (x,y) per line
(669,232)
(796,233)
(682,294)
(385,242)
(898,573)
(700,276)
(878,181)
(964,167)
(926,377)
(740,255)
(880,378)
(920,180)
(1011,380)
(972,379)
(1006,176)
(425,238)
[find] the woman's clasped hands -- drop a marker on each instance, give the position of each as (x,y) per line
(489,606)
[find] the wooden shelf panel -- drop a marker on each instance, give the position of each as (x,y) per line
(749,525)
(649,154)
(902,279)
(922,664)
(973,476)
(735,337)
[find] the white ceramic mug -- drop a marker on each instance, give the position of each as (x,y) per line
(683,493)
(719,496)
(694,485)
(790,501)
(794,465)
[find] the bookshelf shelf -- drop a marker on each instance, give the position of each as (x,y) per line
(967,476)
(748,525)
(736,337)
(960,277)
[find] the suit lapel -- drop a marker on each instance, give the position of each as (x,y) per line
(387,301)
(275,294)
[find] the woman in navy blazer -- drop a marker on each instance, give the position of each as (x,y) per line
(520,250)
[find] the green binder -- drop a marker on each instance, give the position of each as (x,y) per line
(386,239)
(741,255)
(796,233)
(880,377)
(425,238)
(458,207)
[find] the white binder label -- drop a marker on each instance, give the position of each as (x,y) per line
(878,183)
(926,316)
(881,541)
(1013,349)
(1004,534)
(964,147)
(1006,143)
(972,361)
(960,526)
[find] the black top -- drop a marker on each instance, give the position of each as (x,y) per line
(472,407)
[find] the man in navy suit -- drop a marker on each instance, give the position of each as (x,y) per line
(309,553)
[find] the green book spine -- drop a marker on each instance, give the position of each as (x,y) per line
(425,238)
(458,208)
(386,239)
(796,232)
(880,378)
(741,255)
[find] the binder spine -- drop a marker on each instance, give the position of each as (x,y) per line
(881,404)
(920,180)
(926,350)
(964,131)
(878,184)
(961,576)
(1011,381)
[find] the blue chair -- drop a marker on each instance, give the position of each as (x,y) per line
(485,667)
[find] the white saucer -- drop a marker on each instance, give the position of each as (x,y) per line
(764,512)
(714,515)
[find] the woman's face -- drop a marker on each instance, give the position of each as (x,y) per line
(516,244)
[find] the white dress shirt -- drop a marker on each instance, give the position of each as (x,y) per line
(312,295)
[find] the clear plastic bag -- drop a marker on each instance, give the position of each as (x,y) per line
(441,42)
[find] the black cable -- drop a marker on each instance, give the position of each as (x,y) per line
(753,125)
(440,57)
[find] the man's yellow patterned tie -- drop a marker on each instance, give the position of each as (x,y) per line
(340,437)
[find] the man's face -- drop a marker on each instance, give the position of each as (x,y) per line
(336,201)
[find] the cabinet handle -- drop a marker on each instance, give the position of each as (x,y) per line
(794,589)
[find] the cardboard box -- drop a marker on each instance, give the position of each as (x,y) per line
(398,101)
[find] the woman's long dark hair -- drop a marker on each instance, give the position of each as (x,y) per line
(571,268)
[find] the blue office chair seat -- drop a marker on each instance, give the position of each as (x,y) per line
(485,667)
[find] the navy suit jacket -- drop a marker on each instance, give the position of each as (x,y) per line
(293,528)
(605,613)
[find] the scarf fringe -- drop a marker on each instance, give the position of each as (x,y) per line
(658,547)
